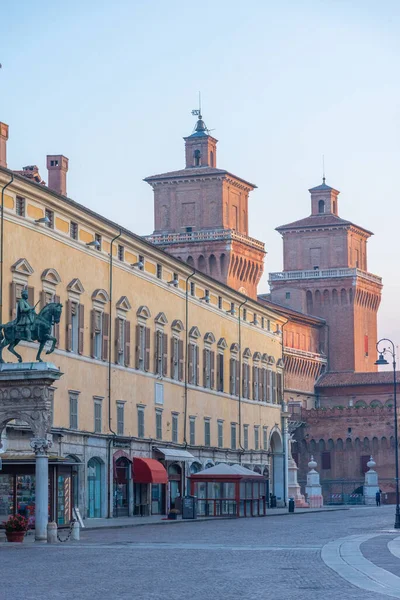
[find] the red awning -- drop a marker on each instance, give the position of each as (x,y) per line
(148,470)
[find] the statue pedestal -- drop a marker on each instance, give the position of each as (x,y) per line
(26,393)
(294,490)
(371,485)
(313,487)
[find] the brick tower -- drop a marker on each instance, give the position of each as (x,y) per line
(201,216)
(325,274)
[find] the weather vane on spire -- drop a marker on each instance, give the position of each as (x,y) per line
(197,111)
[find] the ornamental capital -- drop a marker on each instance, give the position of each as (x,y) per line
(41,445)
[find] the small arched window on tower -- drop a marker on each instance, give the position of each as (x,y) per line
(321,207)
(197,158)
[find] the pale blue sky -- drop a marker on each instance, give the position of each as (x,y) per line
(111,86)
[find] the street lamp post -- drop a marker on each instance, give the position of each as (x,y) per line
(382,361)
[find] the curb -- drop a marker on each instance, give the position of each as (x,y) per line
(202,520)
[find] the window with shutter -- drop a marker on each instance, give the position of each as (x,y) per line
(265,438)
(158,424)
(192,431)
(140,420)
(273,387)
(256,437)
(175,358)
(73,411)
(207,432)
(127,340)
(245,437)
(120,418)
(233,436)
(96,334)
(81,325)
(159,352)
(220,434)
(175,428)
(105,335)
(97,416)
(147,350)
(220,372)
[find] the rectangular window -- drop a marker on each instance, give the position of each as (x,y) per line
(234,377)
(279,391)
(326,460)
(268,325)
(97,238)
(219,301)
(220,425)
(121,253)
(193,364)
(73,411)
(141,262)
(256,383)
(245,380)
(244,314)
(262,322)
(158,425)
(20,206)
(256,437)
(175,428)
(97,416)
(192,288)
(159,271)
(207,432)
(192,431)
(220,372)
(273,387)
(208,367)
(141,347)
(140,420)
(160,350)
(120,418)
(245,437)
(269,385)
(74,327)
(121,326)
(287,295)
(265,438)
(50,215)
(73,230)
(176,279)
(175,358)
(233,436)
(97,334)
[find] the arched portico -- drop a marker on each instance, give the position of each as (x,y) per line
(277,466)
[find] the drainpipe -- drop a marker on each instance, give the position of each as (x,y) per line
(285,427)
(242,450)
(2,245)
(114,434)
(186,358)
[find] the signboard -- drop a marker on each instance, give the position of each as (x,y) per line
(189,507)
(77,516)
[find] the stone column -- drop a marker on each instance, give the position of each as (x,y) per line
(40,447)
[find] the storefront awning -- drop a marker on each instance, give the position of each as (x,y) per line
(148,470)
(173,454)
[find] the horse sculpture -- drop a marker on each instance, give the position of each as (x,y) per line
(11,334)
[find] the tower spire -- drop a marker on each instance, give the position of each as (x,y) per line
(323,168)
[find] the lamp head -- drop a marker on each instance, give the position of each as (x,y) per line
(44,220)
(139,264)
(381,360)
(174,282)
(93,244)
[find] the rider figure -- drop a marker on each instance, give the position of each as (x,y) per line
(25,315)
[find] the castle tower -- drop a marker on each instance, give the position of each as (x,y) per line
(325,274)
(201,216)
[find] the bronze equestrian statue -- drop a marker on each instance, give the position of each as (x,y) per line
(30,327)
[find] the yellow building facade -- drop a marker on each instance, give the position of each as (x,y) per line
(156,362)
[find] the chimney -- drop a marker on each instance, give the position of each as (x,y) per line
(57,166)
(3,144)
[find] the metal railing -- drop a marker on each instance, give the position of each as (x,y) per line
(198,236)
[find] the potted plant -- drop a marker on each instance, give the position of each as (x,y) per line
(173,514)
(16,527)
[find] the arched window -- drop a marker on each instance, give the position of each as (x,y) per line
(212,262)
(197,158)
(339,444)
(321,206)
(309,299)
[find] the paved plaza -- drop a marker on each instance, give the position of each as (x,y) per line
(340,555)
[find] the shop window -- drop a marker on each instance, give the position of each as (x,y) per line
(256,437)
(175,420)
(20,206)
(192,431)
(245,437)
(97,416)
(159,431)
(207,432)
(233,436)
(140,420)
(73,230)
(120,418)
(73,411)
(220,426)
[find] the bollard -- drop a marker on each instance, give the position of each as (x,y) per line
(52,533)
(75,532)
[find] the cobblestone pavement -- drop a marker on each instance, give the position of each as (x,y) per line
(247,559)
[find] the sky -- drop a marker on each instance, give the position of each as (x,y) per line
(112,85)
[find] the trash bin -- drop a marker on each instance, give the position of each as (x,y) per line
(273,501)
(291,505)
(189,507)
